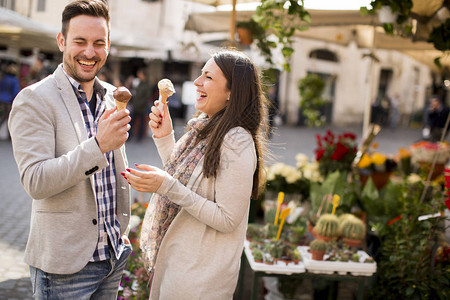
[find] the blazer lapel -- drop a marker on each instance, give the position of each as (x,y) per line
(71,102)
(73,107)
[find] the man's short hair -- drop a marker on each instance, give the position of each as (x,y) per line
(94,8)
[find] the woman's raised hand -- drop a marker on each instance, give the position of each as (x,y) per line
(160,123)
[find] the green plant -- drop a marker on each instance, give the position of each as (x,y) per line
(335,183)
(352,228)
(406,264)
(280,18)
(254,232)
(440,37)
(134,282)
(400,7)
(275,248)
(296,233)
(318,245)
(257,255)
(270,230)
(311,102)
(268,259)
(327,226)
(354,257)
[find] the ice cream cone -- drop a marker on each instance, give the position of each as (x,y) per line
(166,89)
(121,95)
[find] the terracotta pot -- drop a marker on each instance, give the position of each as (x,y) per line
(323,238)
(380,179)
(317,254)
(351,242)
(245,36)
(438,169)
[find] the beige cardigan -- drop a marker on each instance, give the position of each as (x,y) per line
(200,254)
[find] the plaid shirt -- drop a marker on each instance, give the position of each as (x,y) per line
(104,180)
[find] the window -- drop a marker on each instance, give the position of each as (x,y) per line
(323,54)
(9,4)
(41,5)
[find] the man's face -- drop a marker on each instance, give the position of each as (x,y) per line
(85,47)
(435,104)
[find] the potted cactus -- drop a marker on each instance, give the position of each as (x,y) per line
(268,259)
(295,234)
(318,248)
(253,232)
(275,249)
(352,230)
(327,227)
(295,255)
(257,255)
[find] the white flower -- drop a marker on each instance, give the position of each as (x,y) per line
(302,160)
(413,178)
(292,174)
(311,171)
(296,211)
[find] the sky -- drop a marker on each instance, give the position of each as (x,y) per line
(312,4)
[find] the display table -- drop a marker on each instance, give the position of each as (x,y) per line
(307,268)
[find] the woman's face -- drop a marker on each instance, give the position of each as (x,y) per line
(212,90)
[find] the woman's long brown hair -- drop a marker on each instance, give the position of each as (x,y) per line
(246,108)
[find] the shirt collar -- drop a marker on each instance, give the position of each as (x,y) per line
(98,88)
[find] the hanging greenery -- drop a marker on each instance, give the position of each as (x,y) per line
(311,102)
(280,18)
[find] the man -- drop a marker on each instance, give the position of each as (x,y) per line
(436,119)
(68,143)
(140,104)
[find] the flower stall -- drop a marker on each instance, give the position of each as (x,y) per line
(367,212)
(335,204)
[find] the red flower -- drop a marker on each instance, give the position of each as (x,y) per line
(394,220)
(340,151)
(349,135)
(319,153)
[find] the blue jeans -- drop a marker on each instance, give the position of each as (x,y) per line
(97,280)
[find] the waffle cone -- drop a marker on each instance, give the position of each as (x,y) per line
(121,105)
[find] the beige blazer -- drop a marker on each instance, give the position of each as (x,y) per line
(56,160)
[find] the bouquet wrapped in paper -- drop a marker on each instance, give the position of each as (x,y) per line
(426,151)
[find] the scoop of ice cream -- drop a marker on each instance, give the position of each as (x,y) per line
(122,94)
(166,89)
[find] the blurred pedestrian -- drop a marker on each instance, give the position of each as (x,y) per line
(140,104)
(437,115)
(197,217)
(9,88)
(68,143)
(395,103)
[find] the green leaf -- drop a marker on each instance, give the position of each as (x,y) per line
(287,51)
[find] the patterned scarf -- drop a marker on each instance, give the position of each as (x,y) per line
(161,211)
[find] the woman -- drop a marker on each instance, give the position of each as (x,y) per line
(194,228)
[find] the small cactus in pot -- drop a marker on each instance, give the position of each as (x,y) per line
(352,230)
(318,248)
(257,255)
(327,227)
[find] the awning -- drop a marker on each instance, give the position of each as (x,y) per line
(21,32)
(336,26)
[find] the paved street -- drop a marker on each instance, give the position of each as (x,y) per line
(15,204)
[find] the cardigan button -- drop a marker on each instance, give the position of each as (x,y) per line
(94,221)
